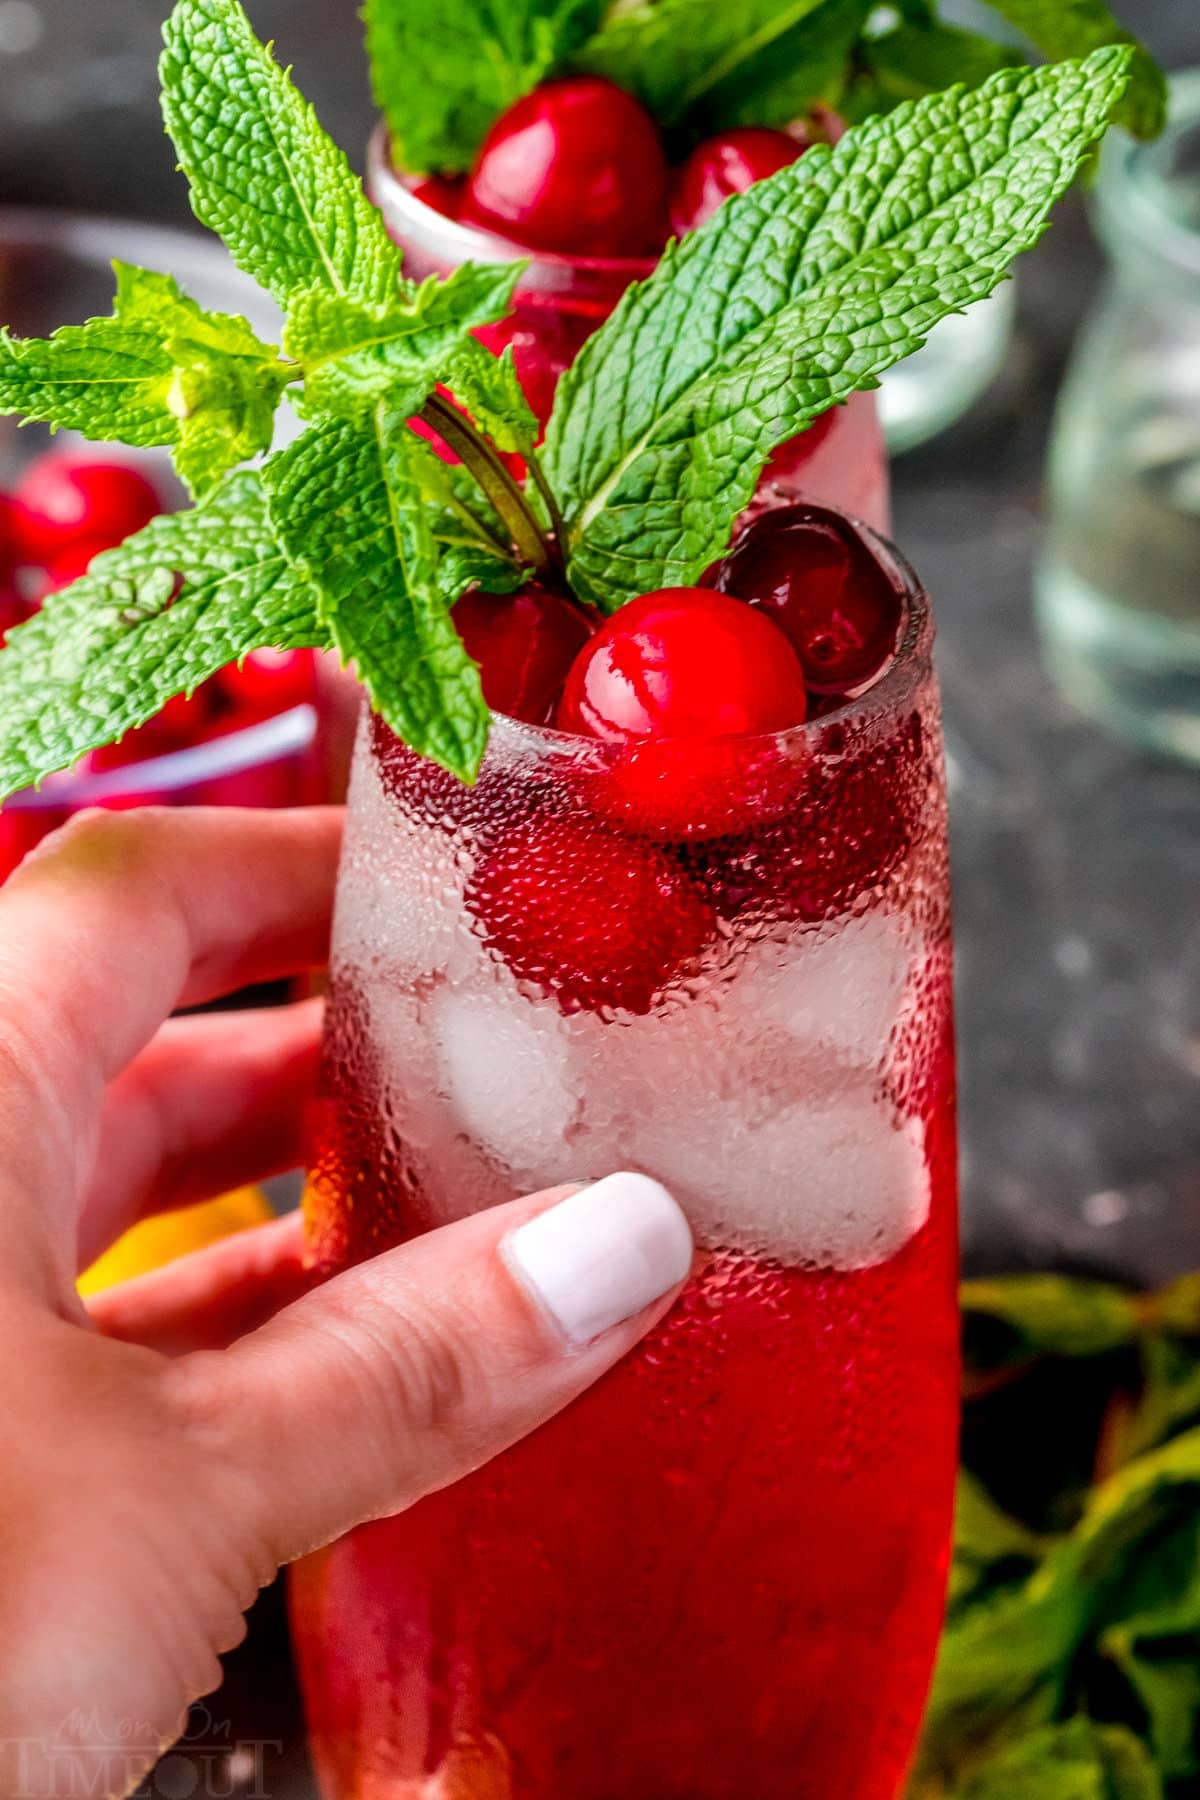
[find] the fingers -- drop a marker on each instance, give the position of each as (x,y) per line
(117,920)
(401,1375)
(208,1299)
(214,1102)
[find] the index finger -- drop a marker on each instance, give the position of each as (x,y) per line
(117,920)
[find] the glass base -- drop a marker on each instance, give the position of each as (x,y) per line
(1136,672)
(929,391)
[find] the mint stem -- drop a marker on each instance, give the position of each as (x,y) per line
(483,462)
(557,522)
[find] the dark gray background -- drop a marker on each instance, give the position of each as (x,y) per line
(1077,862)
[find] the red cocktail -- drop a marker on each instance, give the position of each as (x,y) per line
(560,300)
(720,1574)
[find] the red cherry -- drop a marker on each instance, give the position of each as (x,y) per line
(21,827)
(728,164)
(65,497)
(524,644)
(679,679)
(683,663)
(809,568)
(9,537)
(269,681)
(444,193)
(595,920)
(577,168)
(13,610)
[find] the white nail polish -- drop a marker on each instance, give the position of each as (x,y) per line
(602,1254)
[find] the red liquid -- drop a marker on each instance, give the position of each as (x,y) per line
(719,1575)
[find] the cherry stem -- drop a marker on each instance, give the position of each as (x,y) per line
(483,462)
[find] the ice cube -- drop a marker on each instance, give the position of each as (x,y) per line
(837,1183)
(502,1065)
(839,989)
(400,895)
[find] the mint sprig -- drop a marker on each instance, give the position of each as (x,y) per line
(794,296)
(153,618)
(356,535)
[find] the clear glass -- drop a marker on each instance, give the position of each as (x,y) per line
(720,1574)
(560,301)
(1118,589)
(56,268)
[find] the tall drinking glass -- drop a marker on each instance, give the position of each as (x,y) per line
(561,300)
(719,1575)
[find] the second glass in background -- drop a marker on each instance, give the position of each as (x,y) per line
(1119,582)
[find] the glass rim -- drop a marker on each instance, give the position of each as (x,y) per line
(403,209)
(1133,190)
(886,698)
(257,746)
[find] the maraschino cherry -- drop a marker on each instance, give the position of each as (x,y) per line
(684,663)
(680,679)
(66,498)
(728,164)
(524,643)
(810,570)
(576,167)
(593,919)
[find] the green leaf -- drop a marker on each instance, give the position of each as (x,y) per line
(794,296)
(107,652)
(263,173)
(444,70)
(990,1548)
(162,370)
(1049,1315)
(761,62)
(346,501)
(1063,28)
(489,388)
(918,59)
(1077,1760)
(109,380)
(354,354)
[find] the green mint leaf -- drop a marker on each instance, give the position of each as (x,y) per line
(1066,28)
(347,503)
(226,383)
(353,354)
(107,652)
(990,1548)
(794,296)
(1048,1315)
(918,59)
(761,62)
(109,380)
(489,388)
(444,70)
(263,173)
(162,370)
(1077,1760)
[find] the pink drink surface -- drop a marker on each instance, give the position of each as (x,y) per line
(718,1576)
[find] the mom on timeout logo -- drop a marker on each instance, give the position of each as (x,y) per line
(84,1758)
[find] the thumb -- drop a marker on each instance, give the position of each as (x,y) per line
(403,1374)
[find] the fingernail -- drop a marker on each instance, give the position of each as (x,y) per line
(602,1254)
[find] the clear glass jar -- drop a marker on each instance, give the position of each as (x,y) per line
(1118,587)
(560,301)
(720,1573)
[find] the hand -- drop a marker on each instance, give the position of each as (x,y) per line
(166,1448)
